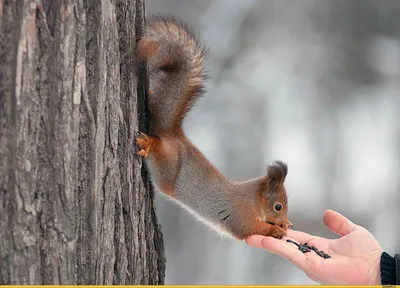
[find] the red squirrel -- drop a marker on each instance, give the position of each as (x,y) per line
(175,61)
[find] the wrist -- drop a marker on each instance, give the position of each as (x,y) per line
(390,269)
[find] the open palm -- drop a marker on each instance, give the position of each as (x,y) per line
(355,255)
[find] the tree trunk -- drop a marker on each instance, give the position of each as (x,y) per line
(76,205)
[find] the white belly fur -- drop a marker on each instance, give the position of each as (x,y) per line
(213,226)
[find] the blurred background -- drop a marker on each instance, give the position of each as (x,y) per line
(313,83)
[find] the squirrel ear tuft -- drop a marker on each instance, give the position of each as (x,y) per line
(277,173)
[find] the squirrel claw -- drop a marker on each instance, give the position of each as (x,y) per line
(142,153)
(289,225)
(277,232)
(144,142)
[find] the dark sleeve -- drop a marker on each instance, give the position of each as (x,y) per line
(390,269)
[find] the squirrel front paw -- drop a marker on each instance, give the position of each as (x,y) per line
(277,232)
(145,142)
(269,229)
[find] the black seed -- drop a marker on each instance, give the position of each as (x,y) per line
(290,241)
(304,248)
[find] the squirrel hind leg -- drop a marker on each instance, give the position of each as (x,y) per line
(145,143)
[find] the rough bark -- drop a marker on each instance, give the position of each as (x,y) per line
(76,206)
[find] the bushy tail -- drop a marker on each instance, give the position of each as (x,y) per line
(175,60)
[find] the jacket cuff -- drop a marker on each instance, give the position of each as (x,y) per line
(388,269)
(397,263)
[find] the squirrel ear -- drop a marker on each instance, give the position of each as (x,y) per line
(277,173)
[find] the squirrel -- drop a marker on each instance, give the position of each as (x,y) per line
(175,62)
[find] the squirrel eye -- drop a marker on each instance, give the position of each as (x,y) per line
(278,207)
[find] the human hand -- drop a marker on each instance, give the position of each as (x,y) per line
(355,255)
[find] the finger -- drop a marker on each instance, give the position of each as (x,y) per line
(337,223)
(283,249)
(255,240)
(299,236)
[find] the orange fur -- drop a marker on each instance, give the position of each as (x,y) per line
(172,51)
(256,226)
(262,228)
(161,154)
(146,49)
(145,143)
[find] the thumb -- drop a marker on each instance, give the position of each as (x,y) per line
(337,223)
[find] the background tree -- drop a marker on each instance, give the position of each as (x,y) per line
(76,206)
